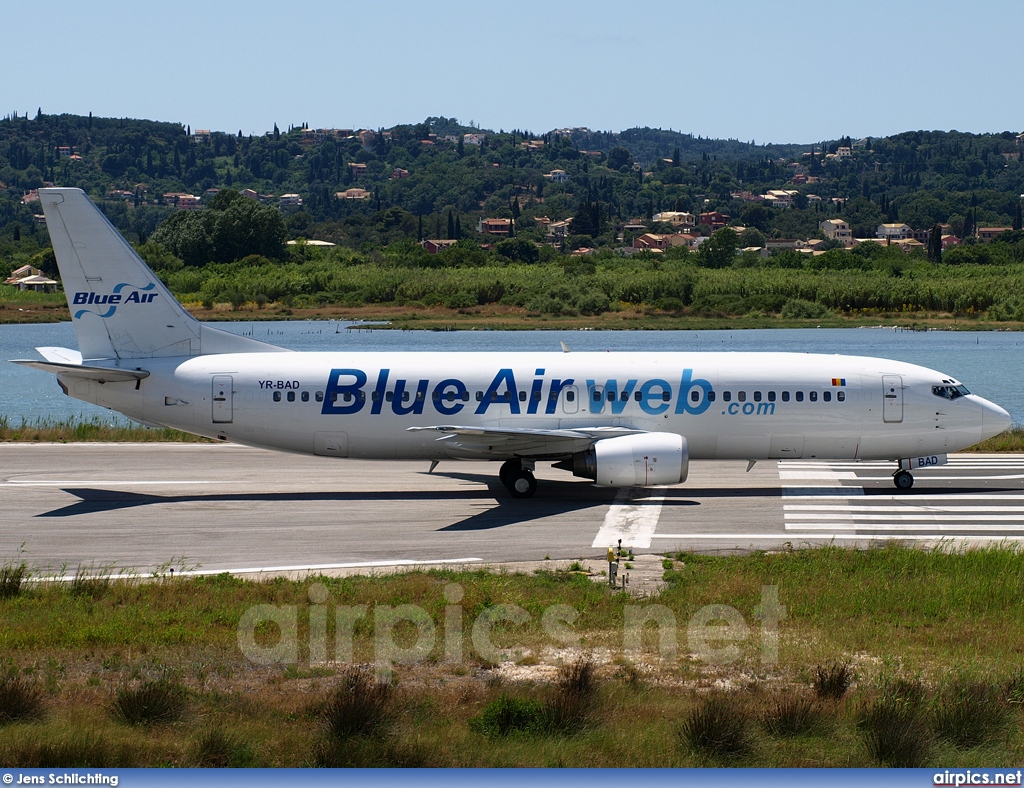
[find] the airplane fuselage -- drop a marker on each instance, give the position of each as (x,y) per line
(726,405)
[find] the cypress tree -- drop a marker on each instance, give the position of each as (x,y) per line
(458,228)
(451,225)
(1018,220)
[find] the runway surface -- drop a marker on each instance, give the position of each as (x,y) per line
(215,508)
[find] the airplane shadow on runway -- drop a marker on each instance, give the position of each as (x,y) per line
(497,509)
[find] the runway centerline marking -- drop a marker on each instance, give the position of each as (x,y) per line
(631,518)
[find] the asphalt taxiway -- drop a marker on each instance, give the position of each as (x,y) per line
(228,508)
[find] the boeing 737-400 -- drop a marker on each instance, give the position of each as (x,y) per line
(620,419)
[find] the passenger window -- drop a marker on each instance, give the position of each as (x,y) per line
(771,396)
(535,396)
(827,396)
(694,395)
(348,397)
(522,396)
(375,396)
(799,396)
(319,396)
(305,396)
(611,396)
(479,396)
(741,396)
(465,396)
(361,396)
(570,396)
(757,396)
(389,396)
(277,396)
(637,396)
(596,395)
(624,396)
(812,396)
(840,396)
(726,396)
(291,396)
(785,396)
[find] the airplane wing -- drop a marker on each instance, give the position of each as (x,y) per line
(521,442)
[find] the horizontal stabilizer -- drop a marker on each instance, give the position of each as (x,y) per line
(101,374)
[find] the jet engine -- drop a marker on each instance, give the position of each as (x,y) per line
(644,460)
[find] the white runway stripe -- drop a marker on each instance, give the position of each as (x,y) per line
(631,517)
(987,518)
(898,528)
(837,537)
(909,509)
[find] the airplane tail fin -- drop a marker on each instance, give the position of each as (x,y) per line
(119,307)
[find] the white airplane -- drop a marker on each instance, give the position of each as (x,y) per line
(620,419)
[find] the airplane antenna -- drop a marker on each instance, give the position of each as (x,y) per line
(565,347)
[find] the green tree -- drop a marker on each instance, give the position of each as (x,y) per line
(719,251)
(620,159)
(518,250)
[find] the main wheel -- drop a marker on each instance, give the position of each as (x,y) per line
(507,469)
(903,480)
(521,484)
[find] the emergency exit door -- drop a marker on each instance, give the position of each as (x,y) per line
(892,398)
(223,397)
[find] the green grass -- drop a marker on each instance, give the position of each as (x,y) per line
(950,620)
(73,430)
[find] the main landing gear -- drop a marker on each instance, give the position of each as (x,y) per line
(903,480)
(518,480)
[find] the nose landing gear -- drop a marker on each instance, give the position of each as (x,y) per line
(903,480)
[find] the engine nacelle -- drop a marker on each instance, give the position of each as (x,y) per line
(645,460)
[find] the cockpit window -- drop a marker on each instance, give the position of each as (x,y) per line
(950,391)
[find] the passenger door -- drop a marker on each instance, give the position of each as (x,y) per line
(223,399)
(892,399)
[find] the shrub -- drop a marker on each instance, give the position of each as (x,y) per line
(11,578)
(717,726)
(894,729)
(77,750)
(151,703)
(798,308)
(359,706)
(569,707)
(215,747)
(792,714)
(969,713)
(509,715)
(833,680)
(19,700)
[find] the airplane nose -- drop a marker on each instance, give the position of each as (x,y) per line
(994,420)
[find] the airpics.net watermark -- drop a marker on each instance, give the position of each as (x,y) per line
(406,634)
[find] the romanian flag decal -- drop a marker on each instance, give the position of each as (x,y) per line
(838,381)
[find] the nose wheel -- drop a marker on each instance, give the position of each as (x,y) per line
(903,480)
(518,480)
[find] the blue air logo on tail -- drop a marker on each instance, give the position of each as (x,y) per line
(137,295)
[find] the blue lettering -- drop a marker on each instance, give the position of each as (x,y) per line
(535,392)
(335,391)
(651,403)
(454,403)
(556,389)
(734,409)
(81,298)
(687,384)
(417,401)
(378,392)
(133,298)
(611,393)
(748,408)
(505,377)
